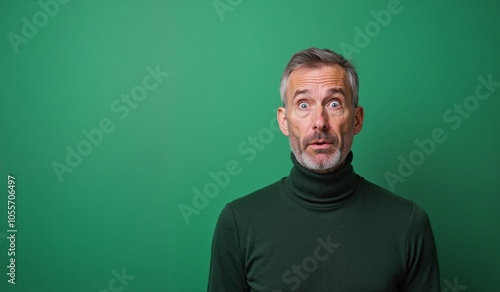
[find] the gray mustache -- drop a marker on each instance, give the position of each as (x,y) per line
(330,138)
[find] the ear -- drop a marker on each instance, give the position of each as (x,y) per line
(358,119)
(282,122)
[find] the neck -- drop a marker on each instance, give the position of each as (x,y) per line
(322,190)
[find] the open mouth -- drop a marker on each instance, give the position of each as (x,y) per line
(320,144)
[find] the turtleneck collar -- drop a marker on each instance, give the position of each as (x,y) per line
(329,190)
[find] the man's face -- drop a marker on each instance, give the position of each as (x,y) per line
(320,118)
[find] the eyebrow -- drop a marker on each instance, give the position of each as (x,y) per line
(330,91)
(299,92)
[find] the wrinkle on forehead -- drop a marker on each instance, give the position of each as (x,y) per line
(325,77)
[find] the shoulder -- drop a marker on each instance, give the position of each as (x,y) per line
(256,205)
(390,203)
(265,195)
(378,195)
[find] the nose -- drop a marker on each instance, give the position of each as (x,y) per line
(320,119)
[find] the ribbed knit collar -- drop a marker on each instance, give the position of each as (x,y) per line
(317,190)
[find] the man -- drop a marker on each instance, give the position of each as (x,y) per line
(322,228)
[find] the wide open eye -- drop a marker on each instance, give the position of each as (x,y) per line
(334,104)
(303,105)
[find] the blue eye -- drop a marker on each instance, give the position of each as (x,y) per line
(303,105)
(334,104)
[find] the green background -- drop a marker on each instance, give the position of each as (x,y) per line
(119,208)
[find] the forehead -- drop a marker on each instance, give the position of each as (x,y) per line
(325,77)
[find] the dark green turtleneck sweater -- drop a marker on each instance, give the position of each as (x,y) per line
(323,232)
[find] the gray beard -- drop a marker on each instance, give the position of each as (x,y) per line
(333,160)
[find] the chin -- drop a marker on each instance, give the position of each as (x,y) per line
(321,162)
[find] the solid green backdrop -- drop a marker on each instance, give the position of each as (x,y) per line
(118,119)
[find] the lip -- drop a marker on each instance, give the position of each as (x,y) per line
(320,144)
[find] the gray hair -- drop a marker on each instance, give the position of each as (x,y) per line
(315,58)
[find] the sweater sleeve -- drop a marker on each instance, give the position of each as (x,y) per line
(421,255)
(227,268)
